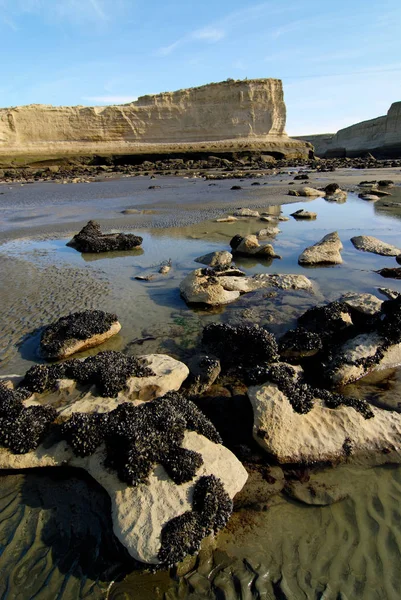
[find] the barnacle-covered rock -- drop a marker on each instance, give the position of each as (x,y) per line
(91,239)
(76,332)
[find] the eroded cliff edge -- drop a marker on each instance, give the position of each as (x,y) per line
(380,137)
(226,116)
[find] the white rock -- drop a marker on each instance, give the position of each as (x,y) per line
(367,304)
(326,251)
(228,219)
(268,231)
(340,196)
(368,243)
(369,197)
(200,288)
(139,513)
(322,434)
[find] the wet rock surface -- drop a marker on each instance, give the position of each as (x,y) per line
(91,239)
(304,214)
(368,243)
(249,246)
(326,251)
(77,331)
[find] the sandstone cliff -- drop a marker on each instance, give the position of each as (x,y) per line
(227,116)
(381,137)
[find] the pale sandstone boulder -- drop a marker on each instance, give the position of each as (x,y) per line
(139,513)
(326,251)
(246,212)
(323,434)
(249,246)
(311,192)
(359,356)
(368,243)
(214,259)
(339,196)
(367,304)
(216,288)
(268,232)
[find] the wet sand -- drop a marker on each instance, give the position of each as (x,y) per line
(51,523)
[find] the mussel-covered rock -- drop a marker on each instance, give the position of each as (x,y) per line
(76,332)
(91,239)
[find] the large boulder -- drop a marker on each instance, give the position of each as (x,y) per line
(169,479)
(76,332)
(368,243)
(328,428)
(326,251)
(91,239)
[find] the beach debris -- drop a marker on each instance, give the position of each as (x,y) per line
(91,239)
(326,251)
(77,332)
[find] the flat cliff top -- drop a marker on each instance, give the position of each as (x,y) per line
(212,86)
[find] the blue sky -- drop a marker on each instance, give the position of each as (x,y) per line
(340,62)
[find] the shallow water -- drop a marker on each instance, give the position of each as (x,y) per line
(50,523)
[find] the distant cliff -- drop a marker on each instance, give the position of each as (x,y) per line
(380,137)
(229,115)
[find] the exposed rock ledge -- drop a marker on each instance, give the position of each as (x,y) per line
(222,116)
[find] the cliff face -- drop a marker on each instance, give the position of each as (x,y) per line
(220,115)
(381,137)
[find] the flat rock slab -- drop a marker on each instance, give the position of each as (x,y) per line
(267,232)
(228,219)
(323,434)
(246,212)
(368,243)
(367,304)
(217,288)
(304,214)
(311,192)
(326,251)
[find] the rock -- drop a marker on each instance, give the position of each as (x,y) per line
(367,304)
(165,268)
(267,232)
(76,332)
(380,193)
(246,212)
(314,493)
(214,259)
(144,277)
(398,259)
(236,187)
(368,197)
(249,246)
(303,214)
(366,353)
(331,321)
(242,345)
(326,251)
(283,218)
(203,372)
(299,343)
(392,273)
(332,188)
(311,192)
(391,294)
(206,286)
(154,187)
(385,183)
(368,243)
(301,176)
(131,211)
(322,434)
(158,484)
(91,239)
(340,196)
(293,193)
(268,218)
(229,219)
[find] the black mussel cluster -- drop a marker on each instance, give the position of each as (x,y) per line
(91,239)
